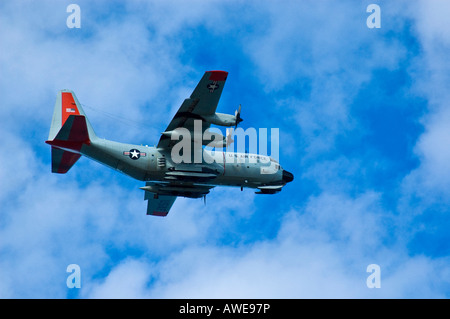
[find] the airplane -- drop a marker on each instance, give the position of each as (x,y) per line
(167,177)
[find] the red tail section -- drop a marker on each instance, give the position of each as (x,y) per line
(69,131)
(67,144)
(62,160)
(68,106)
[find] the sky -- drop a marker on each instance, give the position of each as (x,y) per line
(363,121)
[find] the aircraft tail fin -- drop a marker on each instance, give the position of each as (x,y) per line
(66,105)
(69,131)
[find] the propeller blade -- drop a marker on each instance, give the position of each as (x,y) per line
(237,114)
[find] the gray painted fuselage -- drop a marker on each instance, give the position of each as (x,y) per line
(153,164)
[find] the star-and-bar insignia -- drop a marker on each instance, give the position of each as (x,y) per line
(134,154)
(212,86)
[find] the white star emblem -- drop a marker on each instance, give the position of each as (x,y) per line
(134,154)
(212,86)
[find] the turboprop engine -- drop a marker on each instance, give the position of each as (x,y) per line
(225,119)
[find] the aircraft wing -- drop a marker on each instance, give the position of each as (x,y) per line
(159,205)
(162,195)
(203,101)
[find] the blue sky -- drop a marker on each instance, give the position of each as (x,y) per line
(363,117)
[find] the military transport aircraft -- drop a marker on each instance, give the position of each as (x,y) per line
(166,176)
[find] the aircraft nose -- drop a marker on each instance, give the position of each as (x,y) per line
(287,176)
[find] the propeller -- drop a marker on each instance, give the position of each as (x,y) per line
(237,114)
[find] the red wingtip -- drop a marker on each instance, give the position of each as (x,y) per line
(162,214)
(218,75)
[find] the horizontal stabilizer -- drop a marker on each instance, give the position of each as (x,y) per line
(72,135)
(68,142)
(62,160)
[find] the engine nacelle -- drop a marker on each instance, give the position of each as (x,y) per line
(222,119)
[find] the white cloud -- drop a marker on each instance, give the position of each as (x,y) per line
(318,55)
(431,180)
(321,251)
(127,280)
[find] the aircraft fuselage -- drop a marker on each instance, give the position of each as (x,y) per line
(146,163)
